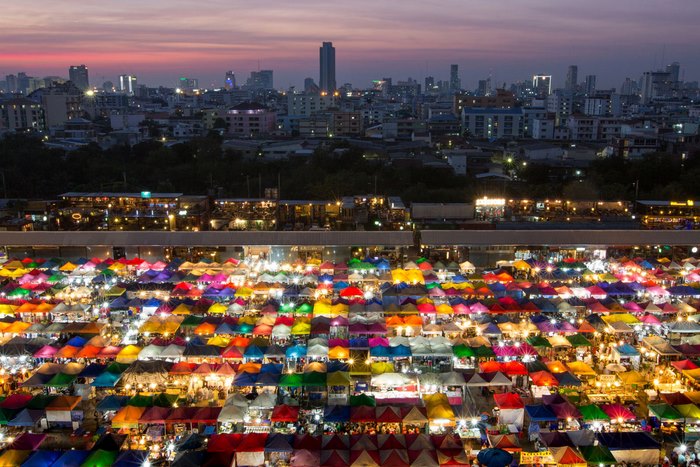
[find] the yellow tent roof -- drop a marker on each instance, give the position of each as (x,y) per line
(580,368)
(13,457)
(688,410)
(632,377)
(128,354)
(218,341)
(218,308)
(438,407)
(300,328)
(128,417)
(68,267)
(338,353)
(521,265)
(338,378)
(444,309)
(322,307)
(244,292)
(621,317)
(13,265)
(379,368)
(182,309)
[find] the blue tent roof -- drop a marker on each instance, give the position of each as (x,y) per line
(296,351)
(628,440)
(567,379)
(254,351)
(92,370)
(359,343)
(27,417)
(130,459)
(245,379)
(42,458)
(112,403)
(152,303)
(268,379)
(336,365)
(72,458)
(336,413)
(106,380)
(272,368)
(379,351)
(540,413)
(400,351)
(627,350)
(278,442)
(77,341)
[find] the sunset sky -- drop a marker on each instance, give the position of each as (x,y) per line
(159,40)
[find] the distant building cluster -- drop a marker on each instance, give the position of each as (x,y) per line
(485,131)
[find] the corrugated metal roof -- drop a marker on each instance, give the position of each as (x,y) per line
(560,237)
(315,238)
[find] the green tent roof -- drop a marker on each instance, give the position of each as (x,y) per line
(101,458)
(117,368)
(61,380)
(483,351)
(665,412)
(305,308)
(41,401)
(538,341)
(592,412)
(578,340)
(139,400)
(164,400)
(192,320)
(462,351)
(599,455)
(363,399)
(291,381)
(314,378)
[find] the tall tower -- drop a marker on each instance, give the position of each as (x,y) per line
(327,62)
(571,78)
(673,70)
(455,83)
(79,75)
(542,85)
(590,84)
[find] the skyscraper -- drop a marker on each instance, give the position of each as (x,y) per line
(127,83)
(260,80)
(590,85)
(542,85)
(327,62)
(230,80)
(78,74)
(674,70)
(571,78)
(455,83)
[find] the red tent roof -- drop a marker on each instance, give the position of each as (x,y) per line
(508,400)
(285,413)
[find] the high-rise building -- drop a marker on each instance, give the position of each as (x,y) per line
(127,83)
(78,74)
(571,78)
(590,85)
(629,87)
(310,85)
(455,83)
(230,80)
(260,80)
(327,61)
(11,83)
(22,82)
(674,70)
(484,87)
(542,85)
(188,84)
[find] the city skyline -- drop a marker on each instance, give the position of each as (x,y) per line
(508,42)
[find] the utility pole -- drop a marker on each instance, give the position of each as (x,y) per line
(4,186)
